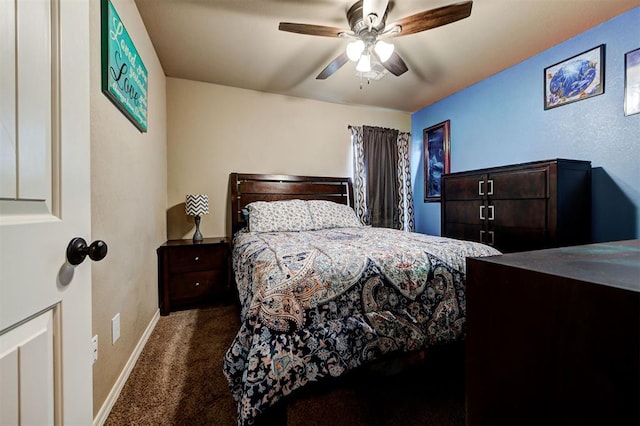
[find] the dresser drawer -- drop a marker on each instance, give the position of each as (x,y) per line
(520,184)
(468,187)
(196,285)
(196,258)
(467,212)
(464,231)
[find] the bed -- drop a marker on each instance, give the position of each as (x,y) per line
(322,295)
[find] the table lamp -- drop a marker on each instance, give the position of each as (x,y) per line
(195,206)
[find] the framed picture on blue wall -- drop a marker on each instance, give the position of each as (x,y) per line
(632,82)
(437,152)
(574,79)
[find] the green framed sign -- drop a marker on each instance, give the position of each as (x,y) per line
(124,76)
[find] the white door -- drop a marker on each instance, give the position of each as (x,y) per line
(45,304)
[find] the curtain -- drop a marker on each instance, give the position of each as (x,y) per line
(405,193)
(381,164)
(382,177)
(359,174)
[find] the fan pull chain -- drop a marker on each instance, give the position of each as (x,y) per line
(368,81)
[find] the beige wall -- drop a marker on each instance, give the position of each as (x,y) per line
(215,130)
(128,190)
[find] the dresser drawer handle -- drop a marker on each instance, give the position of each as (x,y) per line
(491,234)
(197,284)
(196,258)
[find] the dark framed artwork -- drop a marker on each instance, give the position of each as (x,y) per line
(632,82)
(124,76)
(574,79)
(437,152)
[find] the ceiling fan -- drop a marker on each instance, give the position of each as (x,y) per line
(368,29)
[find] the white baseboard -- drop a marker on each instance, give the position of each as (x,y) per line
(102,415)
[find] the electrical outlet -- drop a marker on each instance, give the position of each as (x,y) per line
(115,328)
(94,348)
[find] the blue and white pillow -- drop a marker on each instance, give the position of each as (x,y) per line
(327,214)
(279,216)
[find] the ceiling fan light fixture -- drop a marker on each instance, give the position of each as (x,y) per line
(364,64)
(355,49)
(384,50)
(368,24)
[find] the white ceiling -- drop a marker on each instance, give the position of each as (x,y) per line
(237,43)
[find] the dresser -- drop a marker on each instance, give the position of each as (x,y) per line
(553,336)
(520,207)
(193,274)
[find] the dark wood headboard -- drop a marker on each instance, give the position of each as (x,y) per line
(247,188)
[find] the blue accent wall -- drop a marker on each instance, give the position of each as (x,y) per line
(501,120)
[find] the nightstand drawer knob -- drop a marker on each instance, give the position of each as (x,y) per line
(197,284)
(197,258)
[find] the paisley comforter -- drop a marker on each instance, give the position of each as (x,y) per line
(317,304)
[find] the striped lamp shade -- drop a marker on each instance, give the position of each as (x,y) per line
(197,205)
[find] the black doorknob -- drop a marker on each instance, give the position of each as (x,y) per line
(77,250)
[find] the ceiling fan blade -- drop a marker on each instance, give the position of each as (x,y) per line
(333,66)
(395,65)
(432,18)
(316,30)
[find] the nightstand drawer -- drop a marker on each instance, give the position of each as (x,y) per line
(196,258)
(196,285)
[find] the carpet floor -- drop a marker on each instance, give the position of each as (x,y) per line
(178,380)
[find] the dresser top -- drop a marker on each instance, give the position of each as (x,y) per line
(615,264)
(580,164)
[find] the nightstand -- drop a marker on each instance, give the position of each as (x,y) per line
(193,274)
